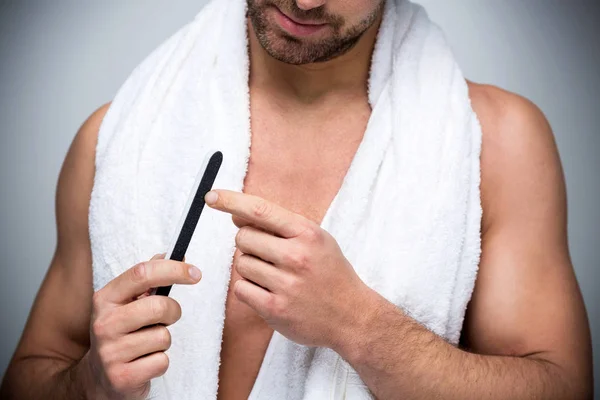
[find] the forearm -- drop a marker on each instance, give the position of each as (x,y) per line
(398,358)
(41,377)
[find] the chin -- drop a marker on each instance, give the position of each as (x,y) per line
(285,48)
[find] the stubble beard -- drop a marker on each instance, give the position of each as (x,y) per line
(292,50)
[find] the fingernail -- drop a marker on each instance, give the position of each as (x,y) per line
(211,197)
(195,273)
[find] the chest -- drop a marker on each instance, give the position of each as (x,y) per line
(298,160)
(299,157)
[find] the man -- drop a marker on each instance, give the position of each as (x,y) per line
(525,335)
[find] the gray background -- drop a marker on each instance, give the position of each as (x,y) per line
(60,60)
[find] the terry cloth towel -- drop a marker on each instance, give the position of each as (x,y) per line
(407,215)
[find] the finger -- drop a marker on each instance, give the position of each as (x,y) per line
(145,294)
(147,275)
(155,257)
(240,222)
(144,312)
(162,256)
(250,240)
(145,368)
(140,343)
(260,272)
(258,211)
(254,296)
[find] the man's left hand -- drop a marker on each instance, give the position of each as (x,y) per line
(294,273)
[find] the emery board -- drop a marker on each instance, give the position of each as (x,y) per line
(192,211)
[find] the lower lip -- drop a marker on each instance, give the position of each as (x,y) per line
(295,28)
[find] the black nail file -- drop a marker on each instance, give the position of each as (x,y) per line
(191,213)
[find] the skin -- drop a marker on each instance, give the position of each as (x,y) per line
(81,344)
(345,23)
(292,268)
(526,333)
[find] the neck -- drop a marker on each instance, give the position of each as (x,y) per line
(310,83)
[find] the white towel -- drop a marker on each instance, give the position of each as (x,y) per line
(407,216)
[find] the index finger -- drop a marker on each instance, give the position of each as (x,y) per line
(147,275)
(257,211)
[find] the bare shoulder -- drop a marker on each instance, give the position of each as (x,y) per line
(95,119)
(79,161)
(519,156)
(509,119)
(87,135)
(58,324)
(83,146)
(497,105)
(526,301)
(76,179)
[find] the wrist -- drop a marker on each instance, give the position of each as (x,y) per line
(83,376)
(354,336)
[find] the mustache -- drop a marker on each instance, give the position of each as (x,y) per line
(290,8)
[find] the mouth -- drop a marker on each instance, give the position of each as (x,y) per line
(296,27)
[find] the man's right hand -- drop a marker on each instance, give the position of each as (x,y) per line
(71,348)
(128,335)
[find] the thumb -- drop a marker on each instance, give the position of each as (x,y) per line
(158,256)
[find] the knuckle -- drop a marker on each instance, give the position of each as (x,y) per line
(224,201)
(162,363)
(270,307)
(184,270)
(274,307)
(119,378)
(297,259)
(158,307)
(292,285)
(164,338)
(97,300)
(176,307)
(278,308)
(313,235)
(170,313)
(238,221)
(138,272)
(106,355)
(289,258)
(262,209)
(139,309)
(238,289)
(241,265)
(241,234)
(100,328)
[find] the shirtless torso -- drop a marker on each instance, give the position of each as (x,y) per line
(300,153)
(298,159)
(305,181)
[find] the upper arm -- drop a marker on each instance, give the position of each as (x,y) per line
(526,300)
(58,324)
